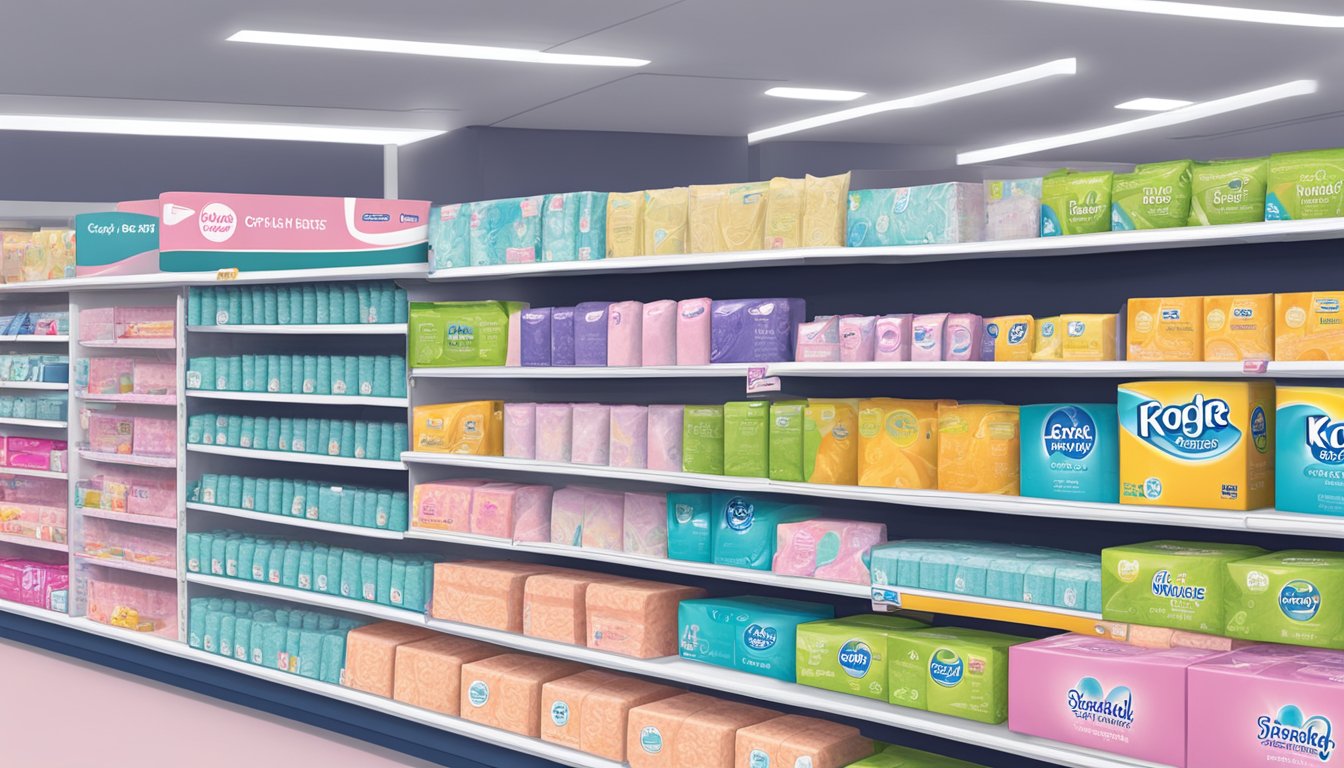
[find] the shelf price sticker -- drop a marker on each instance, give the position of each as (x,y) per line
(231,273)
(885,599)
(1254,366)
(758,382)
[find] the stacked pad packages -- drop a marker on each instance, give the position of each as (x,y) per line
(362,376)
(895,756)
(379,441)
(1154,196)
(306,643)
(933,214)
(359,303)
(341,504)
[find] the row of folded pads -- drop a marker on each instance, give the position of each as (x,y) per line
(380,441)
(344,504)
(44,407)
(38,368)
(613,716)
(359,303)
(356,375)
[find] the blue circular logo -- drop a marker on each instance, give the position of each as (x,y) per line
(759,759)
(478,693)
(1152,488)
(992,330)
(560,714)
(1017,333)
(855,657)
(759,638)
(1069,432)
(1300,600)
(739,514)
(650,740)
(1259,429)
(946,668)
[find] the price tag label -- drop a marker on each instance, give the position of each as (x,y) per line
(227,274)
(1254,366)
(758,381)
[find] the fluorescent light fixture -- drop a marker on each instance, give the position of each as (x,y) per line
(1151,122)
(997,82)
(419,48)
(814,94)
(1205,11)
(1150,104)
(338,134)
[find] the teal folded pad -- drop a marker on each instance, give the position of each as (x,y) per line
(242,638)
(333,657)
(689,527)
(383,583)
(227,628)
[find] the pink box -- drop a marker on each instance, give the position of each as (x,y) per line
(625,334)
(629,445)
(520,430)
(35,453)
(961,337)
(857,336)
(110,433)
(591,441)
(659,346)
(1268,705)
(567,509)
(444,505)
(152,498)
(693,331)
(603,520)
(1104,695)
(155,378)
(555,432)
(891,338)
(665,426)
(97,324)
(155,437)
(32,583)
(145,322)
(818,340)
(512,511)
(111,375)
(926,337)
(799,549)
(644,527)
(132,594)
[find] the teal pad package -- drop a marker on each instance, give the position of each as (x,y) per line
(753,634)
(744,528)
(1070,452)
(690,527)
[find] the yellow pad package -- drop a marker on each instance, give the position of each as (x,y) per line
(825,209)
(1013,335)
(1239,327)
(727,217)
(1087,337)
(784,214)
(831,442)
(1170,329)
(1045,341)
(665,221)
(625,224)
(1308,326)
(898,443)
(473,428)
(978,449)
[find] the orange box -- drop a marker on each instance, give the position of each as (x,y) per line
(554,605)
(636,618)
(486,593)
(798,740)
(429,672)
(588,711)
(688,730)
(505,691)
(371,654)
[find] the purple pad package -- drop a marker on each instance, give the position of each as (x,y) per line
(536,336)
(754,330)
(562,336)
(590,333)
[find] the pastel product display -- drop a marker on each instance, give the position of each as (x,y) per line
(927,337)
(848,655)
(1075,203)
(562,336)
(1305,328)
(110,375)
(591,324)
(625,334)
(505,691)
(1282,700)
(754,330)
(629,440)
(574,226)
(1087,337)
(554,432)
(625,224)
(511,511)
(428,673)
(818,340)
(1305,185)
(743,530)
(664,437)
(155,437)
(1286,597)
(568,506)
(953,212)
(1070,451)
(460,334)
(1047,340)
(834,550)
(1197,444)
(658,333)
(726,217)
(635,618)
(591,443)
(1239,327)
(444,505)
(535,336)
(1170,329)
(473,428)
(554,605)
(962,338)
(505,231)
(644,524)
(690,527)
(603,520)
(1012,573)
(109,433)
(824,209)
(1172,584)
(664,225)
(579,711)
(449,237)
(831,442)
(702,439)
(893,337)
(1228,191)
(520,430)
(1012,209)
(786,440)
(857,340)
(951,671)
(690,729)
(371,655)
(751,634)
(694,331)
(746,433)
(1154,196)
(1101,694)
(482,593)
(1008,338)
(784,213)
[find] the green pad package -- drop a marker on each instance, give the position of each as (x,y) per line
(893,756)
(1291,597)
(458,334)
(951,671)
(848,655)
(1154,196)
(1228,192)
(746,432)
(1172,584)
(1305,185)
(1074,203)
(786,440)
(702,439)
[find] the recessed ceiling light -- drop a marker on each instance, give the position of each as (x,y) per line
(1204,11)
(1162,120)
(814,94)
(339,134)
(419,48)
(997,82)
(1150,104)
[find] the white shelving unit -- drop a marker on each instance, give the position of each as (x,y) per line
(50,338)
(126,565)
(50,386)
(297,458)
(364,329)
(299,522)
(33,472)
(38,423)
(125,517)
(129,459)
(276,397)
(24,541)
(129,399)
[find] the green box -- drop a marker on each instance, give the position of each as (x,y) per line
(1174,584)
(460,334)
(848,655)
(1154,196)
(702,439)
(786,441)
(1305,185)
(951,671)
(1291,597)
(1075,203)
(746,438)
(1228,191)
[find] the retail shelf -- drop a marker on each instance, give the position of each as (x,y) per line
(127,565)
(277,397)
(302,522)
(297,458)
(220,278)
(126,517)
(24,541)
(51,385)
(43,423)
(130,344)
(129,459)
(1049,617)
(706,570)
(33,472)
(360,329)
(727,370)
(1261,520)
(306,597)
(44,338)
(128,399)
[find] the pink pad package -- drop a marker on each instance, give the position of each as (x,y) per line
(629,444)
(857,339)
(961,337)
(512,511)
(625,334)
(659,346)
(111,375)
(520,430)
(444,505)
(693,331)
(892,338)
(154,437)
(153,378)
(926,337)
(835,550)
(604,520)
(110,433)
(818,340)
(555,432)
(35,453)
(1104,695)
(98,324)
(33,583)
(591,439)
(645,524)
(1267,705)
(567,510)
(665,429)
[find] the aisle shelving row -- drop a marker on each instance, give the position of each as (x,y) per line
(300,522)
(297,458)
(25,541)
(276,397)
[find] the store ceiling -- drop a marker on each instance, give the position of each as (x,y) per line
(711,62)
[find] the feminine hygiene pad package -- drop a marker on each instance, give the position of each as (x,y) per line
(938,213)
(1012,209)
(461,334)
(1074,203)
(1228,191)
(1154,196)
(754,330)
(1305,185)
